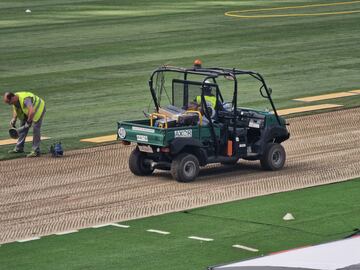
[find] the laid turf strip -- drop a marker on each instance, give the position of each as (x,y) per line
(321,214)
(91,60)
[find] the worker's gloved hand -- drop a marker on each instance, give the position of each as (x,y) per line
(12,122)
(27,124)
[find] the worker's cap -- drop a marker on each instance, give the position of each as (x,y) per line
(207,86)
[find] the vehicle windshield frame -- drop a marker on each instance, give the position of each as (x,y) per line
(213,74)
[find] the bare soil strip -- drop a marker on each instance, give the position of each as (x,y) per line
(12,141)
(102,139)
(307,109)
(327,96)
(94,186)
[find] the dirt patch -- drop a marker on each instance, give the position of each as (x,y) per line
(94,186)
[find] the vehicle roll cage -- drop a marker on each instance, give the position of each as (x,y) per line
(213,73)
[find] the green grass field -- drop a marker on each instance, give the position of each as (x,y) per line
(321,214)
(90,60)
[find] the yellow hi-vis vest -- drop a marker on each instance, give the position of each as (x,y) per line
(37,102)
(209,99)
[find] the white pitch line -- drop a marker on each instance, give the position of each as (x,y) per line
(157,231)
(200,238)
(66,232)
(28,239)
(120,225)
(246,248)
(102,225)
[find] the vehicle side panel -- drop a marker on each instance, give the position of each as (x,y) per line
(140,131)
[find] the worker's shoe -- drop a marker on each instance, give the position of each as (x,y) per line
(33,154)
(16,151)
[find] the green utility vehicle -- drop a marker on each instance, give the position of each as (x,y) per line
(192,125)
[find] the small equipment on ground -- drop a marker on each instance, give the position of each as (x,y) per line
(193,125)
(56,150)
(14,132)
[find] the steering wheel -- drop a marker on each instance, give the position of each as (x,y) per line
(212,111)
(228,106)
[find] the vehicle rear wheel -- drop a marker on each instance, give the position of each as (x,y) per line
(137,165)
(185,167)
(274,157)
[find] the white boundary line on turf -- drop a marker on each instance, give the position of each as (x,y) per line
(200,238)
(246,248)
(101,225)
(120,225)
(28,239)
(110,224)
(157,231)
(66,232)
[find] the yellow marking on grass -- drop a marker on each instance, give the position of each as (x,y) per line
(355,91)
(102,139)
(236,12)
(326,96)
(307,109)
(12,141)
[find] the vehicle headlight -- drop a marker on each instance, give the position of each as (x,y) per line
(122,133)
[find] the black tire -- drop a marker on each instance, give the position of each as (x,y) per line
(274,157)
(137,165)
(185,167)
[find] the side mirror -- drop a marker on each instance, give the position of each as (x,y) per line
(264,93)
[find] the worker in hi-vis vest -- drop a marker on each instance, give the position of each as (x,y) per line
(30,110)
(210,99)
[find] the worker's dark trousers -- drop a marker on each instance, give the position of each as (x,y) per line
(36,135)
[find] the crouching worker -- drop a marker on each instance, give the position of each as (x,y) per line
(30,110)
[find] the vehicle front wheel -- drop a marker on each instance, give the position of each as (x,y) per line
(274,157)
(185,167)
(137,165)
